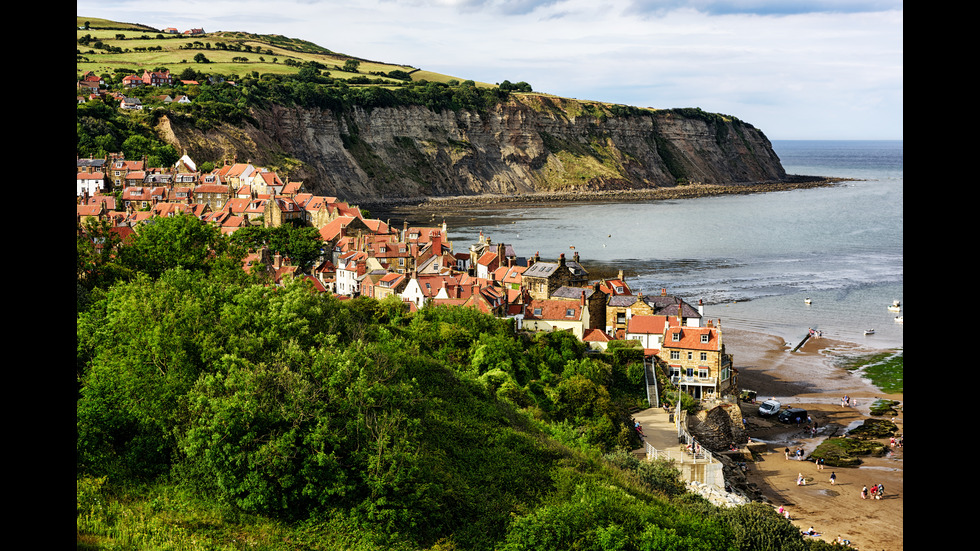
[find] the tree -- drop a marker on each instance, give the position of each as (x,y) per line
(182,241)
(201,58)
(136,146)
(351,65)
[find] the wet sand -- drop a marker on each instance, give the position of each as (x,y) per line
(807,378)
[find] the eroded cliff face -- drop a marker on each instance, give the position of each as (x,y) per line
(531,143)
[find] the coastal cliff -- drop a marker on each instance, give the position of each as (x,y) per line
(529,144)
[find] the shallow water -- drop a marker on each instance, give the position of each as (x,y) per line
(752,259)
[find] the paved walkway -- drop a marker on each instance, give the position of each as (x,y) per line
(659,431)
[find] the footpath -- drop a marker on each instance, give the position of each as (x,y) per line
(704,474)
(660,432)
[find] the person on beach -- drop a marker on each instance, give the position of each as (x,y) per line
(864,492)
(787,453)
(800,481)
(880,491)
(820,464)
(833,478)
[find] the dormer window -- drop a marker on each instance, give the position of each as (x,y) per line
(569,312)
(676,337)
(704,338)
(537,311)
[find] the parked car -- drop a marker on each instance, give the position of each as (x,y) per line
(769,407)
(792,415)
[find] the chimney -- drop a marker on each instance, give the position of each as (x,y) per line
(701,307)
(561,260)
(620,276)
(575,257)
(663,291)
(583,299)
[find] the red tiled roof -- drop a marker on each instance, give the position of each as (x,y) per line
(649,325)
(690,338)
(554,310)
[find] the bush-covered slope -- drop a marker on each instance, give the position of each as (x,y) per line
(216,411)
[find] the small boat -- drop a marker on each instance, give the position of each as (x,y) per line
(807,301)
(895,307)
(898,319)
(869,331)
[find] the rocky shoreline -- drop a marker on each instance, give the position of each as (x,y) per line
(609,195)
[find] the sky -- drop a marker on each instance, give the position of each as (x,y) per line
(797,70)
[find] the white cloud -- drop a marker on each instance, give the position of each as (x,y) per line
(827,71)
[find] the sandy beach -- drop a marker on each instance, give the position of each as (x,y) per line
(808,379)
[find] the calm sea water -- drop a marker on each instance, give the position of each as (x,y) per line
(752,259)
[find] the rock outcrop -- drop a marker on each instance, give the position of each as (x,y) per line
(531,143)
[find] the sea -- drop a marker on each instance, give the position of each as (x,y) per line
(752,260)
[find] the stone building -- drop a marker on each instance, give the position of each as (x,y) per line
(696,359)
(541,279)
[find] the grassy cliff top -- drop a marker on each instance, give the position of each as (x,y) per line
(115,45)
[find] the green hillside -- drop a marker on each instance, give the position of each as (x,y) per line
(217,411)
(128,47)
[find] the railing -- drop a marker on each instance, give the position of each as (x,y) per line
(693,380)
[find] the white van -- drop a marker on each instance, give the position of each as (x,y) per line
(769,407)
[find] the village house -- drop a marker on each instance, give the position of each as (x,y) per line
(541,279)
(620,308)
(557,315)
(157,78)
(696,359)
(90,183)
(131,104)
(649,331)
(263,182)
(281,210)
(595,302)
(119,169)
(213,195)
(86,212)
(132,81)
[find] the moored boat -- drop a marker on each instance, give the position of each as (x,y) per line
(895,307)
(869,331)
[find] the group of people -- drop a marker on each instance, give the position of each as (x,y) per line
(798,454)
(846,401)
(876,492)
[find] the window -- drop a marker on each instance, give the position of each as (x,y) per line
(690,355)
(704,356)
(569,312)
(704,338)
(676,337)
(621,317)
(537,311)
(703,373)
(675,354)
